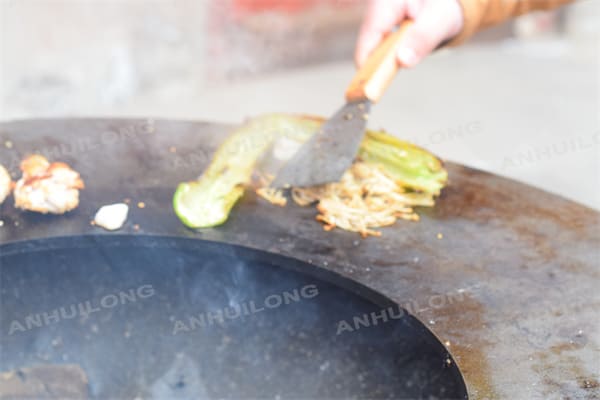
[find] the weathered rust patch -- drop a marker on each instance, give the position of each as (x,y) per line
(561,372)
(466,333)
(470,195)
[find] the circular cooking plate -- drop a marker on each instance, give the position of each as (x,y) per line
(173,318)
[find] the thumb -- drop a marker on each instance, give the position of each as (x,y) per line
(430,28)
(415,45)
(380,19)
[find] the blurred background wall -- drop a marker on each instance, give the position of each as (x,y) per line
(521,100)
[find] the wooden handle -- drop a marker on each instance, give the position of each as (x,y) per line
(377,72)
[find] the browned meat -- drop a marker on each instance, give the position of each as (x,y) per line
(5,184)
(47,187)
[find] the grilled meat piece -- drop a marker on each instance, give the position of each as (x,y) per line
(47,187)
(5,184)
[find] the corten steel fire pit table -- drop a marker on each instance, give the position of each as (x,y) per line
(271,306)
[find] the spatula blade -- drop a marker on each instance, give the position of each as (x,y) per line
(329,152)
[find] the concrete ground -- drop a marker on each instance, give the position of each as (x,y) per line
(529,110)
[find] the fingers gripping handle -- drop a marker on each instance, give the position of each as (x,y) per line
(375,75)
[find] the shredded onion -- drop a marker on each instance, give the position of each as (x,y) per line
(273,196)
(365,198)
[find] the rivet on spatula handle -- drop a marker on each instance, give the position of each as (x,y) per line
(373,78)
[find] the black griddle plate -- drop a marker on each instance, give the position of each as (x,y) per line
(509,286)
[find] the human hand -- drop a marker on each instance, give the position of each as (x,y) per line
(435,21)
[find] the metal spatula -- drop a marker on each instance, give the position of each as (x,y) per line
(331,151)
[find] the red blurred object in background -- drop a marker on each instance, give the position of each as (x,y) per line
(246,37)
(244,7)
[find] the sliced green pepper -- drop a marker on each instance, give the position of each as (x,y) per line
(208,201)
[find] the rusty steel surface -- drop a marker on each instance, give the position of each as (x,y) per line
(504,274)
